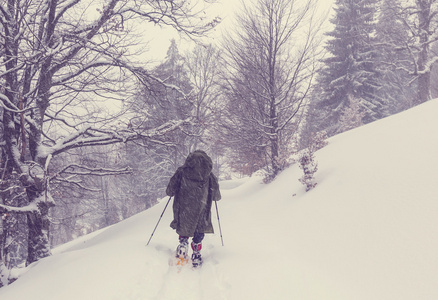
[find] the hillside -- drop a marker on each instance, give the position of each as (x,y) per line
(369,230)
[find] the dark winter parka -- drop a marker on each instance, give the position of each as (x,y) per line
(194,187)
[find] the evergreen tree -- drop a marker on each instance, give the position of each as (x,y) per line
(394,58)
(309,166)
(168,98)
(351,69)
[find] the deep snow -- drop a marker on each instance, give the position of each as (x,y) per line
(369,230)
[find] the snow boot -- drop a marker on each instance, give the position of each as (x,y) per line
(182,251)
(196,256)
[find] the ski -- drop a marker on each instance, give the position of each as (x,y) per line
(183,262)
(181,258)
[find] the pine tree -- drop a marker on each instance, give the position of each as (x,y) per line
(309,166)
(394,58)
(351,70)
(173,95)
(167,99)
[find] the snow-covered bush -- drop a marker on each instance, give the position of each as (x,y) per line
(306,159)
(309,166)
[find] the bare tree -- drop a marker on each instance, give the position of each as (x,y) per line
(57,59)
(272,60)
(204,70)
(420,17)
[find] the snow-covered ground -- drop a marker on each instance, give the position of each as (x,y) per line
(369,230)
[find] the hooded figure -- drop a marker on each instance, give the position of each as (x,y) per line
(194,187)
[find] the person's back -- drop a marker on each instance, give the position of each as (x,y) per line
(194,187)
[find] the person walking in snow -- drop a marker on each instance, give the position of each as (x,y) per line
(194,188)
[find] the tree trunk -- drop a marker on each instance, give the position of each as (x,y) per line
(4,274)
(274,140)
(38,236)
(3,269)
(423,88)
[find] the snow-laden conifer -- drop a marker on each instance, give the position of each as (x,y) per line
(350,69)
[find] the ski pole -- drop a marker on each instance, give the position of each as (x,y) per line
(159,220)
(219,222)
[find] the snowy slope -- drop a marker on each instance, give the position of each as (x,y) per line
(368,231)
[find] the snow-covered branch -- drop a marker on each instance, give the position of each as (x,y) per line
(174,14)
(32,207)
(75,169)
(25,209)
(64,9)
(89,136)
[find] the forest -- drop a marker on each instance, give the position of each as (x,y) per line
(91,130)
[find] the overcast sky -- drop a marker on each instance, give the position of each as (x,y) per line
(160,39)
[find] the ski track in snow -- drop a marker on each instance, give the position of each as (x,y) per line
(158,280)
(189,283)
